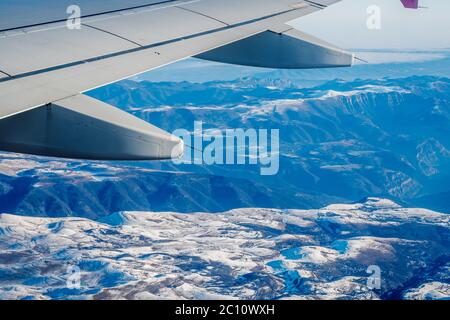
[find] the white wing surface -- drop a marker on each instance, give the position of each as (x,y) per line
(45,65)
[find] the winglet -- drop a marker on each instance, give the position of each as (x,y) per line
(410,4)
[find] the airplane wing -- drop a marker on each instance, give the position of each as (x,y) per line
(46,64)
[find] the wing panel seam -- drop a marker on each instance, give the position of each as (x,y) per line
(113,34)
(202,14)
(5,73)
(315,4)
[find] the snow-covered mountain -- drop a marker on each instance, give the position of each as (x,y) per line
(340,142)
(242,253)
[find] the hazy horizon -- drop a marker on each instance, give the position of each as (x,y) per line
(344,24)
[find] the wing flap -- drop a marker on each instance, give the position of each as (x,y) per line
(84,128)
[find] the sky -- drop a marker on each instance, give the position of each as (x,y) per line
(345,24)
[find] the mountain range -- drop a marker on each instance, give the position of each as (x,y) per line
(328,253)
(341,141)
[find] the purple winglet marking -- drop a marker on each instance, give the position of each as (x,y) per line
(410,4)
